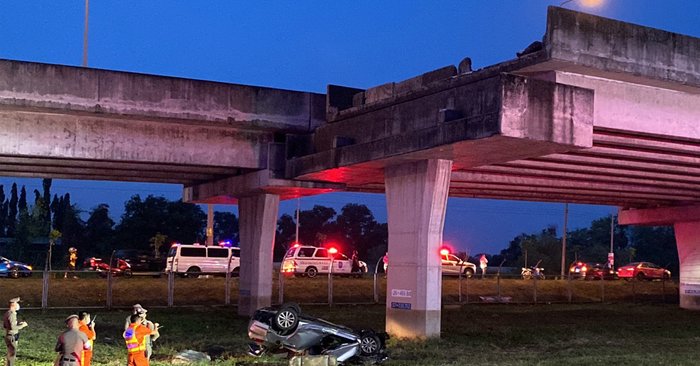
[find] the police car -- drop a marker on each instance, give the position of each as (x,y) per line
(309,261)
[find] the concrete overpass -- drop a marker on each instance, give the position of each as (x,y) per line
(599,111)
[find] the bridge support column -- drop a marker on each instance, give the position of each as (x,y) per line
(688,241)
(686,225)
(257,225)
(416,200)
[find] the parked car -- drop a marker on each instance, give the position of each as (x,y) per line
(600,271)
(643,271)
(119,266)
(286,330)
(306,260)
(189,260)
(453,266)
(578,270)
(141,260)
(14,269)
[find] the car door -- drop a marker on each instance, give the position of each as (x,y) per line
(450,264)
(321,260)
(341,264)
(217,259)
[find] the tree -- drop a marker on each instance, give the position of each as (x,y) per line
(318,220)
(3,211)
(99,230)
(12,212)
(355,224)
(284,237)
(46,183)
(655,244)
(225,227)
(157,242)
(22,203)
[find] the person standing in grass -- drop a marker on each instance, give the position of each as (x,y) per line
(87,326)
(483,263)
(142,313)
(135,337)
(12,328)
(71,344)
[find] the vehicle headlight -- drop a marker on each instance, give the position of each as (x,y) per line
(29,268)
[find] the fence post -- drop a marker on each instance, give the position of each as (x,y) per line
(663,289)
(459,298)
(602,289)
(45,290)
(280,289)
(568,287)
(171,288)
(634,290)
(227,285)
(466,290)
(330,284)
(534,285)
(376,286)
(109,289)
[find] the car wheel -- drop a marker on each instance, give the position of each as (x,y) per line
(527,276)
(370,344)
(286,319)
(14,273)
(193,272)
(128,273)
(311,272)
(236,272)
(468,273)
(641,276)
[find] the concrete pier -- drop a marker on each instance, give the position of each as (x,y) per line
(416,200)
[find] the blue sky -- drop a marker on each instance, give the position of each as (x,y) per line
(305,45)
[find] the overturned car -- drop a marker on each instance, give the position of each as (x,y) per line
(286,329)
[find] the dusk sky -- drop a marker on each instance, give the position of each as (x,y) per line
(305,45)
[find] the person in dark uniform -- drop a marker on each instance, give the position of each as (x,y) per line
(71,344)
(12,328)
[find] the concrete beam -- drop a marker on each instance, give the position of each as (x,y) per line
(85,137)
(258,224)
(501,118)
(67,89)
(229,190)
(416,201)
(659,216)
(688,241)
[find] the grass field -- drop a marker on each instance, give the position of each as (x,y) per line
(91,290)
(559,334)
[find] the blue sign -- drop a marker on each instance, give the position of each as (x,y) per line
(401,305)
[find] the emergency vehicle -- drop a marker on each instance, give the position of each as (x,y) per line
(309,261)
(192,259)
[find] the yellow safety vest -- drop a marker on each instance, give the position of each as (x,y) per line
(132,343)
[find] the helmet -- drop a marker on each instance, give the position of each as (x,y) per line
(72,249)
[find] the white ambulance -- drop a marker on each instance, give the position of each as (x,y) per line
(309,261)
(191,260)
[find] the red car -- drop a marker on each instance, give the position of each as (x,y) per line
(119,267)
(643,271)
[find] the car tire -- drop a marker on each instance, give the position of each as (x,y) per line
(286,319)
(236,272)
(128,273)
(640,276)
(311,272)
(468,273)
(14,272)
(370,344)
(193,272)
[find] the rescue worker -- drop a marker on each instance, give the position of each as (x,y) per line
(385,259)
(135,338)
(12,328)
(72,262)
(355,262)
(87,326)
(71,344)
(142,313)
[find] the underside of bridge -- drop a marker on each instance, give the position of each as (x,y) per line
(598,112)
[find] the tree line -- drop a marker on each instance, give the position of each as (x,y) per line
(151,222)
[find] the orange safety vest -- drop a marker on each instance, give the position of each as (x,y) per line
(133,345)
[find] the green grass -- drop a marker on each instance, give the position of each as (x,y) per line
(560,334)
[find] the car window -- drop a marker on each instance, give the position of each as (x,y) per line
(172,252)
(453,257)
(306,252)
(342,257)
(290,252)
(321,253)
(236,252)
(193,252)
(652,265)
(218,252)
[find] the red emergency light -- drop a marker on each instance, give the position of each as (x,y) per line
(444,251)
(333,250)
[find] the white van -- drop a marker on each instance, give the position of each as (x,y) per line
(310,261)
(192,259)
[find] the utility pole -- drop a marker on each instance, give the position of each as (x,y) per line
(563,241)
(611,254)
(85,34)
(296,235)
